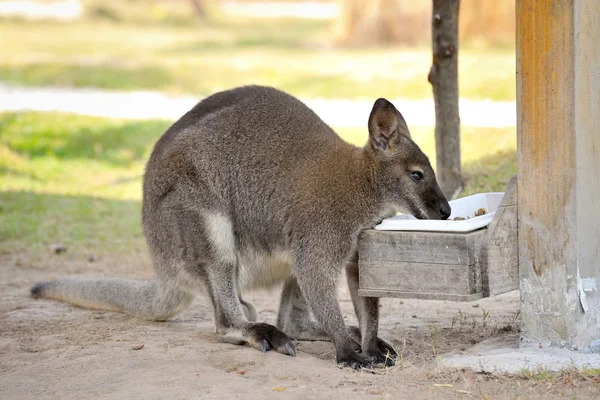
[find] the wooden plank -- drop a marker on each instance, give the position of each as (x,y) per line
(475,241)
(417,277)
(440,265)
(558,159)
(423,247)
(417,295)
(501,249)
(587,137)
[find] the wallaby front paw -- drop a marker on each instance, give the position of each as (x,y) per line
(382,353)
(354,360)
(265,337)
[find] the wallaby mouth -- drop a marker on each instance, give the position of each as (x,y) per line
(445,210)
(441,211)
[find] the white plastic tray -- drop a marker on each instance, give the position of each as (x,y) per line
(465,207)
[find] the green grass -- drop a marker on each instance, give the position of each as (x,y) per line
(564,377)
(76,180)
(32,221)
(72,180)
(294,55)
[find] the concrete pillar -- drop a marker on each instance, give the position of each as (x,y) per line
(558,124)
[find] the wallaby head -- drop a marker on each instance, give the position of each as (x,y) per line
(403,173)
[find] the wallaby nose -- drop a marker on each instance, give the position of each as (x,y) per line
(445,210)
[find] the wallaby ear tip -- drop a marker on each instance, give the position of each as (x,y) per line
(381,102)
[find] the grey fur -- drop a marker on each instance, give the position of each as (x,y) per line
(251,188)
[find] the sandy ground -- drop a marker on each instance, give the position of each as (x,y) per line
(53,350)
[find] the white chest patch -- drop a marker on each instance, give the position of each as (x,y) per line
(260,270)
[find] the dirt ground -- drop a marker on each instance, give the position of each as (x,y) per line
(54,350)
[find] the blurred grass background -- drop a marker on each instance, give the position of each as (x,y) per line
(76,180)
(132,45)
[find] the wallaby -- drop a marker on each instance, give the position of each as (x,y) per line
(251,188)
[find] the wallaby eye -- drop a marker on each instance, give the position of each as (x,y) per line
(416,175)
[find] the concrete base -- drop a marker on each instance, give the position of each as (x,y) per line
(503,356)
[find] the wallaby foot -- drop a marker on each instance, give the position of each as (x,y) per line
(350,358)
(380,351)
(261,336)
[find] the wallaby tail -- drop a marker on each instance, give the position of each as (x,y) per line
(145,299)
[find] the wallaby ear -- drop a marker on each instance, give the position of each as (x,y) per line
(386,124)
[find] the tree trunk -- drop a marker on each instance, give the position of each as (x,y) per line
(443,76)
(366,22)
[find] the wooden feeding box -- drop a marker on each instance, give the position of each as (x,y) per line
(444,260)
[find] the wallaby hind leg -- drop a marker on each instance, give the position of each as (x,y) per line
(367,312)
(218,267)
(230,320)
(296,320)
(294,316)
(198,247)
(151,300)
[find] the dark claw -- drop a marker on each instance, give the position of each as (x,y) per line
(352,359)
(388,352)
(264,346)
(381,353)
(289,348)
(390,361)
(386,360)
(367,367)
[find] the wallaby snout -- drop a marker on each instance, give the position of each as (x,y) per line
(432,205)
(436,204)
(438,208)
(445,209)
